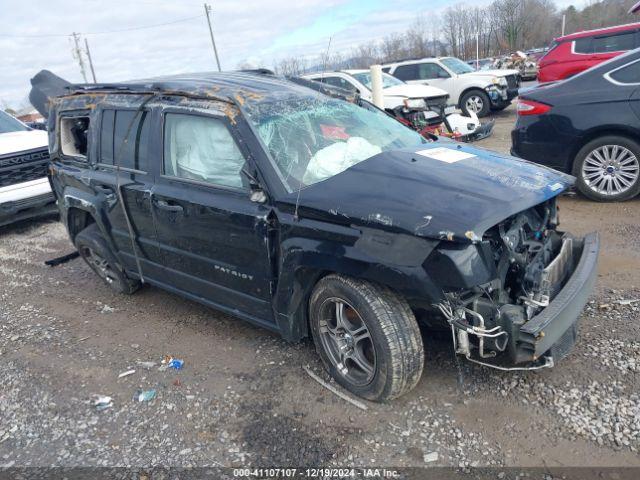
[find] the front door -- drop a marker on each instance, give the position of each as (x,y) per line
(214,239)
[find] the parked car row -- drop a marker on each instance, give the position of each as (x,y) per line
(480,92)
(424,108)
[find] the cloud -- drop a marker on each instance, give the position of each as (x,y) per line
(255,31)
(241,28)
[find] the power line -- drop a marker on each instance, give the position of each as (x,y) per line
(104,32)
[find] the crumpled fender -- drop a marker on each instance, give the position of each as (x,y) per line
(95,205)
(311,251)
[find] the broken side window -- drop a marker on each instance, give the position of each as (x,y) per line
(73,136)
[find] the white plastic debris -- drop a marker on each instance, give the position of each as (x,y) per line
(146,364)
(126,374)
(101,402)
(430,457)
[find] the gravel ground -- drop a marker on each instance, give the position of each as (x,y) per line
(242,397)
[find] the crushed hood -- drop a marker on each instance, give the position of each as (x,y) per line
(414,91)
(440,190)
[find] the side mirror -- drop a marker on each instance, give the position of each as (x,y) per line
(257,193)
(258,196)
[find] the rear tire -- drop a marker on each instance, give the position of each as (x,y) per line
(475,100)
(607,169)
(94,250)
(376,350)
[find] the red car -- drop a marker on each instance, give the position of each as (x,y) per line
(572,54)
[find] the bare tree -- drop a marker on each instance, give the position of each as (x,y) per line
(291,66)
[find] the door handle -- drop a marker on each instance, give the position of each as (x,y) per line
(164,205)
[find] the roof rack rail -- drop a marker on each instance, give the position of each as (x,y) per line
(258,71)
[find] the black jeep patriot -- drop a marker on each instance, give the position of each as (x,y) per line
(312,216)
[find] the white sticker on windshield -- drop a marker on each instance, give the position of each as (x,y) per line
(447,155)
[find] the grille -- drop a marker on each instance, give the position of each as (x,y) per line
(512,81)
(565,343)
(23,167)
(437,101)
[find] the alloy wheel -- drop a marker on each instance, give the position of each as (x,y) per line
(610,170)
(99,264)
(347,341)
(474,104)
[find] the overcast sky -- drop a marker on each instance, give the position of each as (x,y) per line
(34,34)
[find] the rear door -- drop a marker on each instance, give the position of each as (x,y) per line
(214,239)
(594,50)
(425,73)
(124,141)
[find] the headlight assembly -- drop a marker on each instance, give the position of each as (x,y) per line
(415,103)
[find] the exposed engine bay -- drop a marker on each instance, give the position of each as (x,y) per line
(533,262)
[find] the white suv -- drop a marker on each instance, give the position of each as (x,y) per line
(473,91)
(395,93)
(24,157)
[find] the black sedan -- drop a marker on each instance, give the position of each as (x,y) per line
(589,126)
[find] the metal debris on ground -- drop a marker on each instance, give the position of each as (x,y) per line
(60,260)
(144,395)
(126,374)
(334,390)
(101,402)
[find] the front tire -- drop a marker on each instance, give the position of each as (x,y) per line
(607,169)
(94,251)
(476,101)
(366,336)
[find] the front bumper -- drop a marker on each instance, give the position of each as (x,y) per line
(26,200)
(553,330)
(501,97)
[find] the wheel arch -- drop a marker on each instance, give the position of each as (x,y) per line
(297,281)
(80,209)
(468,90)
(594,134)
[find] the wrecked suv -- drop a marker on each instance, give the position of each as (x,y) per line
(313,217)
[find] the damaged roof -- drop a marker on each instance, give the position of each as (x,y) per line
(258,86)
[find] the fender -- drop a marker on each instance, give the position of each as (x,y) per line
(95,205)
(389,259)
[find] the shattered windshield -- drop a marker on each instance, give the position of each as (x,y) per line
(312,139)
(10,124)
(387,80)
(456,65)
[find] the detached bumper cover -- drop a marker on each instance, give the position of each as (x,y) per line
(555,326)
(485,130)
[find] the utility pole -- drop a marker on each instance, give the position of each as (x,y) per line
(77,53)
(207,10)
(564,23)
(93,72)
